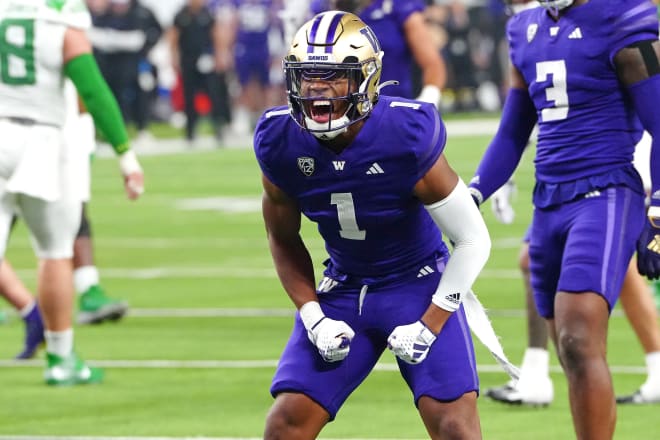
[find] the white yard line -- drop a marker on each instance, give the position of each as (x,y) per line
(219,271)
(264,363)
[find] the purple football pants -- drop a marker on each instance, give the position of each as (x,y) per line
(373,312)
(584,245)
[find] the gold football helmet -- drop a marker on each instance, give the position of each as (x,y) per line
(333,45)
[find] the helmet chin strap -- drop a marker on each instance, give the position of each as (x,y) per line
(316,127)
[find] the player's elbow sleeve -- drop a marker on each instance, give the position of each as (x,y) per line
(460,220)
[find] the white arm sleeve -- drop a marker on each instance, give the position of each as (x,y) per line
(460,220)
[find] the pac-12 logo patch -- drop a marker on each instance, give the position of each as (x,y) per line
(531,31)
(306,165)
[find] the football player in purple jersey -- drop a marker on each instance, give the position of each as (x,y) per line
(255,31)
(370,171)
(587,72)
(405,39)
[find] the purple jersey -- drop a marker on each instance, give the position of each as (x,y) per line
(255,18)
(587,127)
(362,199)
(386,18)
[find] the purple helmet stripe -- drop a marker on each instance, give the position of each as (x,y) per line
(332,29)
(312,33)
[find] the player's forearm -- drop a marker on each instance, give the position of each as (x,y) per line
(99,101)
(295,270)
(505,150)
(460,220)
(645,96)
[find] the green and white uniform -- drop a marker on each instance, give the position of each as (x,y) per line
(35,166)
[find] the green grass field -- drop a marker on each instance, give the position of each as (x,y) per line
(209,318)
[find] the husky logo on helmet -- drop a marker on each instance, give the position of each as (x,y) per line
(333,46)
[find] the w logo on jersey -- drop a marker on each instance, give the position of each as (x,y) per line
(531,31)
(306,165)
(338,164)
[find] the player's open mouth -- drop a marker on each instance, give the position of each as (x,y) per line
(321,110)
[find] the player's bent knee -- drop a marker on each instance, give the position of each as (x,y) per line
(451,420)
(574,351)
(294,417)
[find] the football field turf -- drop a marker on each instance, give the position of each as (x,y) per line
(195,356)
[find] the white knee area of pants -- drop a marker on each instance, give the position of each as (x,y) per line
(53,225)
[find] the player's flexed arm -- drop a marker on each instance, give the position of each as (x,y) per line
(638,67)
(81,68)
(296,273)
(448,201)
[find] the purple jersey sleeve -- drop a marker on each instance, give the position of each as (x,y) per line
(632,21)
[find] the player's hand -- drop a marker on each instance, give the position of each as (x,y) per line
(133,176)
(648,249)
(134,185)
(411,343)
(430,94)
(500,203)
(332,338)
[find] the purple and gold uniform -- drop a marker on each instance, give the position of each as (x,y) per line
(588,196)
(386,253)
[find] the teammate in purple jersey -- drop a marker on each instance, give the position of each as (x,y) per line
(587,71)
(405,39)
(370,171)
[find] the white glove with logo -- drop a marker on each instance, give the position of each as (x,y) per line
(332,338)
(411,343)
(500,203)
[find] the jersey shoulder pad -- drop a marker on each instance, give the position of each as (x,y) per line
(269,129)
(73,13)
(417,128)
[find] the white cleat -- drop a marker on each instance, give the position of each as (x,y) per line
(539,392)
(639,397)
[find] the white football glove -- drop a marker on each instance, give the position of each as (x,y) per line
(431,94)
(500,203)
(332,338)
(411,343)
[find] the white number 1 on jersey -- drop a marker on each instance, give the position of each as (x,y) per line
(348,227)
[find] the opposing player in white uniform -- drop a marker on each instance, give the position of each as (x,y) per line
(44,43)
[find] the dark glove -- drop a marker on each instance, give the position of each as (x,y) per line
(648,250)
